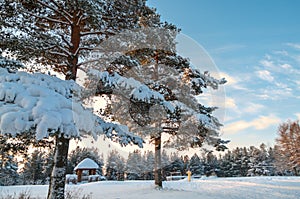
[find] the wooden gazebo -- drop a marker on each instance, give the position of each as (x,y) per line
(86,165)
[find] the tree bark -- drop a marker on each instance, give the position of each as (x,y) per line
(58,175)
(157,165)
(157,141)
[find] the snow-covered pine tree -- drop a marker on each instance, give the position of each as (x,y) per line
(43,106)
(226,162)
(154,91)
(10,64)
(176,165)
(49,161)
(34,168)
(282,168)
(59,34)
(259,164)
(135,166)
(78,154)
(8,163)
(271,161)
(165,161)
(196,166)
(211,165)
(239,164)
(115,166)
(144,75)
(149,161)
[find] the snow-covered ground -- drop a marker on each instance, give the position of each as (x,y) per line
(204,188)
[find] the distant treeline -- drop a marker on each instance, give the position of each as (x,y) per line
(251,161)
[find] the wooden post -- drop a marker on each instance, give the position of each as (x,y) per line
(79,174)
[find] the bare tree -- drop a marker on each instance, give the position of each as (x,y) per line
(289,144)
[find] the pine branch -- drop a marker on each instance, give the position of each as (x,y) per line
(47,18)
(64,50)
(57,11)
(70,16)
(65,40)
(58,53)
(79,20)
(87,62)
(97,33)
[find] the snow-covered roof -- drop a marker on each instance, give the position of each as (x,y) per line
(87,163)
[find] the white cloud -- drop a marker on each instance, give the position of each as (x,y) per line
(260,123)
(228,48)
(234,81)
(294,45)
(235,127)
(275,93)
(286,66)
(267,63)
(283,86)
(230,103)
(253,108)
(281,52)
(296,58)
(230,79)
(265,75)
(298,116)
(264,122)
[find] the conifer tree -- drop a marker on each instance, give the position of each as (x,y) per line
(8,163)
(115,166)
(79,154)
(135,166)
(196,166)
(33,171)
(149,161)
(153,90)
(63,33)
(59,34)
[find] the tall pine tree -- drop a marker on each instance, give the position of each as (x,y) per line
(59,34)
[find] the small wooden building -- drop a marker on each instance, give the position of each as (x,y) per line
(87,165)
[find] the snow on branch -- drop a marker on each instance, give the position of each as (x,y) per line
(120,133)
(204,80)
(61,12)
(97,33)
(47,18)
(138,92)
(47,106)
(204,119)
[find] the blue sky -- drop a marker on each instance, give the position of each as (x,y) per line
(255,45)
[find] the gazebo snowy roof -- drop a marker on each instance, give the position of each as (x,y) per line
(87,163)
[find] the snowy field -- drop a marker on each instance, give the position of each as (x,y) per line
(204,188)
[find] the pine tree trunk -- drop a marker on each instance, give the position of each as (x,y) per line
(296,171)
(58,175)
(157,141)
(157,165)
